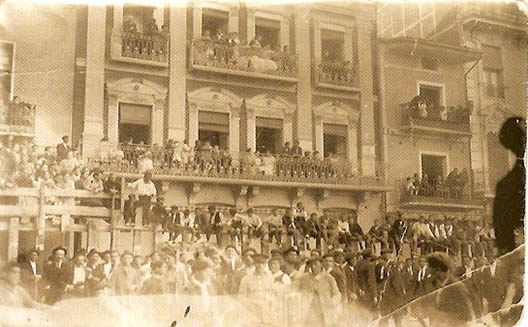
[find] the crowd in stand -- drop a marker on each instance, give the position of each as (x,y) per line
(226,50)
(454,186)
(292,163)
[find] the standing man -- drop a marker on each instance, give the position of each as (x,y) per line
(53,276)
(76,277)
(339,276)
(216,220)
(31,272)
(63,148)
(145,189)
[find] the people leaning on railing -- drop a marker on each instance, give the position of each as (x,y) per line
(227,51)
(454,186)
(421,109)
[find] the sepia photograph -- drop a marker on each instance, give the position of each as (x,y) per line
(253,163)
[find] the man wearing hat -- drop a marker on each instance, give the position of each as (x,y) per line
(367,279)
(393,296)
(215,226)
(159,212)
(31,272)
(124,280)
(54,276)
(76,276)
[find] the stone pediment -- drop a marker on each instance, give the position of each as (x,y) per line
(494,115)
(336,111)
(214,99)
(136,88)
(268,105)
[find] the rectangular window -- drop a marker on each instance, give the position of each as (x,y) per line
(268,135)
(269,31)
(494,83)
(429,63)
(332,45)
(214,21)
(434,167)
(134,123)
(491,57)
(7,61)
(214,127)
(432,94)
(334,140)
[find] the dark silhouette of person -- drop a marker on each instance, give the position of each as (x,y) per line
(508,207)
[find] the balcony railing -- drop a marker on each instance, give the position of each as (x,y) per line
(438,194)
(479,181)
(221,55)
(154,47)
(439,118)
(336,73)
(18,118)
(222,164)
(495,11)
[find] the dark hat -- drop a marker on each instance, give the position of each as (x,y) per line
(275,253)
(383,251)
(92,252)
(232,247)
(275,258)
(174,207)
(34,251)
(291,249)
(249,250)
(366,253)
(59,248)
(338,252)
(199,265)
(440,261)
(260,258)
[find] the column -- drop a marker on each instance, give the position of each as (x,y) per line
(113,120)
(250,24)
(285,31)
(349,43)
(95,78)
(368,146)
(234,132)
(197,20)
(12,239)
(117,30)
(287,128)
(157,122)
(251,123)
(319,135)
(352,151)
(177,72)
(317,40)
(193,124)
(232,25)
(304,88)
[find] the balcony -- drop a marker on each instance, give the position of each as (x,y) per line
(213,166)
(494,13)
(18,119)
(438,120)
(439,197)
(241,60)
(494,91)
(139,48)
(336,75)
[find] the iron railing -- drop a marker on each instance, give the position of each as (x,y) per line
(227,164)
(153,47)
(19,117)
(221,54)
(340,73)
(443,117)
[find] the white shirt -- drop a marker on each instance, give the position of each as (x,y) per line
(33,267)
(107,267)
(143,188)
(79,275)
(254,220)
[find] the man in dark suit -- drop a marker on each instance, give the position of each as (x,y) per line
(393,296)
(349,268)
(75,277)
(63,148)
(31,272)
(53,276)
(215,226)
(367,280)
(173,223)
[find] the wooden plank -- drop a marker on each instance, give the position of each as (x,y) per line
(19,211)
(81,211)
(41,222)
(12,237)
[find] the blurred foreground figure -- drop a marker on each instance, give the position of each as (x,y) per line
(508,208)
(12,294)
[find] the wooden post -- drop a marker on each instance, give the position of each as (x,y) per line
(114,240)
(41,221)
(12,236)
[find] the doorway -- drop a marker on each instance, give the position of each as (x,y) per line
(134,123)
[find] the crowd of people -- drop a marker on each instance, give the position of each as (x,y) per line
(147,42)
(225,50)
(176,158)
(422,108)
(454,186)
(336,71)
(376,285)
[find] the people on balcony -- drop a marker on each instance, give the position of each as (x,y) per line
(454,187)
